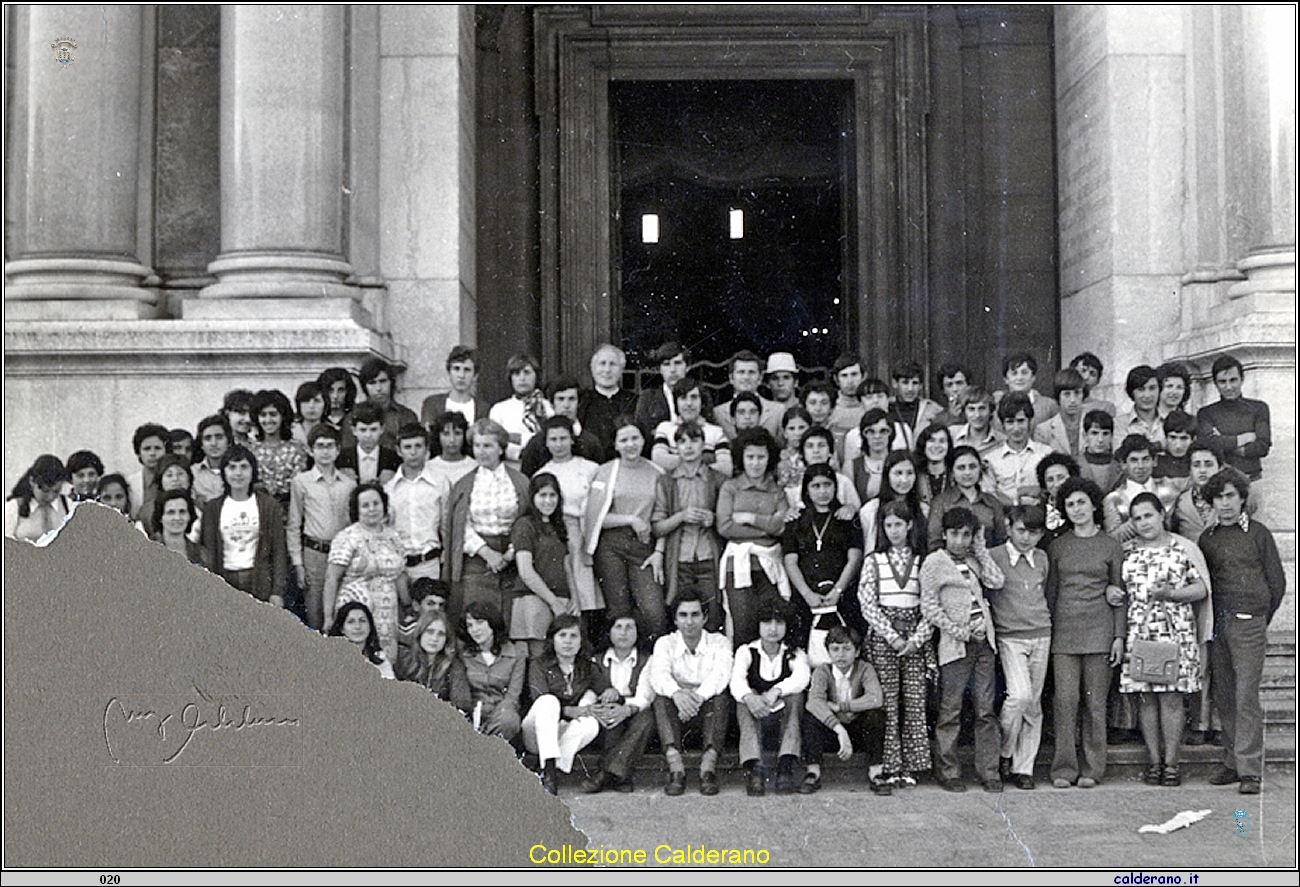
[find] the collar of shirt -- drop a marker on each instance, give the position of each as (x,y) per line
(1005,451)
(426,474)
(767,661)
(684,470)
(1017,555)
(1132,488)
(765,483)
(498,473)
(372,456)
(680,649)
(611,658)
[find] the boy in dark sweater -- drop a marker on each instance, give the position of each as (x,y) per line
(1249,584)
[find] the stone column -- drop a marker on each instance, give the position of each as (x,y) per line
(283,78)
(75,167)
(425,138)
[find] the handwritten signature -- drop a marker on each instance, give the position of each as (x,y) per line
(171,732)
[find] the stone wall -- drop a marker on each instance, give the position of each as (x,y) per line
(1176,146)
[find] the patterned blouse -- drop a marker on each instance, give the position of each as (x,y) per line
(277,463)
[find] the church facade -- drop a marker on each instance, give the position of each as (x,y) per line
(201,198)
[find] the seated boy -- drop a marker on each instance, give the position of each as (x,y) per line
(685,500)
(953,580)
(1064,431)
(844,701)
(768,681)
(626,710)
(1022,625)
(368,460)
(689,674)
(1098,462)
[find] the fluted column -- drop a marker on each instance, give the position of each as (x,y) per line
(75,168)
(283,79)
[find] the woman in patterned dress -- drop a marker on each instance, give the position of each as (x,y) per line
(1162,582)
(368,564)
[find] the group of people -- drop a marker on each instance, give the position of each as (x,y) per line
(838,562)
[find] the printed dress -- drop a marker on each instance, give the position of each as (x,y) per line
(1166,621)
(373,560)
(278,461)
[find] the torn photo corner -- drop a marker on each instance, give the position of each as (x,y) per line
(157,717)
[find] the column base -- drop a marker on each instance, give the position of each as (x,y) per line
(279,275)
(284,307)
(77,289)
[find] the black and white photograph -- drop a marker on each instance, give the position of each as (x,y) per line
(757,436)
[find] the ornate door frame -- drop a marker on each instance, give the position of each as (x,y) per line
(880,50)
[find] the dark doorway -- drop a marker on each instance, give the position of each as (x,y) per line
(692,154)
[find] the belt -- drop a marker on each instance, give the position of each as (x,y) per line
(315,545)
(414,560)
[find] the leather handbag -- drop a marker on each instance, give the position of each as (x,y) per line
(1153,662)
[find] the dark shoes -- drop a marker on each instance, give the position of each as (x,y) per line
(676,785)
(1225,776)
(624,786)
(993,786)
(950,785)
(549,777)
(881,787)
(1023,781)
(1154,773)
(810,784)
(708,783)
(1171,777)
(1250,785)
(787,782)
(756,787)
(595,784)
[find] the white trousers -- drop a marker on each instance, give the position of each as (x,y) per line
(551,737)
(1024,665)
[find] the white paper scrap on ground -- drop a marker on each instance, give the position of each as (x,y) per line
(1182,820)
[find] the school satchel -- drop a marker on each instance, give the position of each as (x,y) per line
(1153,662)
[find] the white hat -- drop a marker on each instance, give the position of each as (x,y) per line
(781,362)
